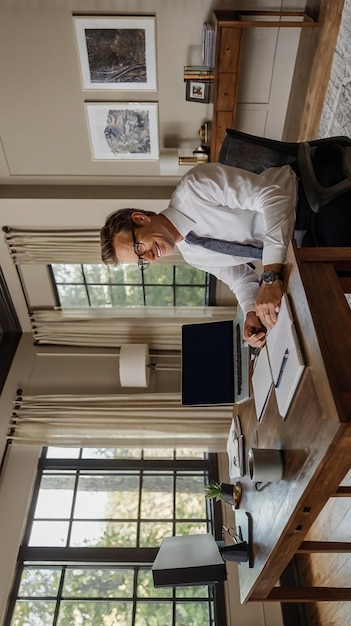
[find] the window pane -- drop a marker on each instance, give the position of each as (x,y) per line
(190,296)
(157,497)
(127,295)
(190,499)
(159,274)
(55,496)
(146,589)
(49,534)
(154,614)
(100,295)
(67,273)
(96,273)
(132,274)
(39,581)
(191,528)
(159,296)
(158,453)
(107,496)
(186,275)
(152,533)
(62,453)
(33,613)
(98,583)
(111,453)
(124,285)
(117,274)
(94,613)
(194,613)
(125,505)
(188,453)
(72,295)
(103,534)
(195,591)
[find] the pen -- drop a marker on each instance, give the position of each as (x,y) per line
(282,367)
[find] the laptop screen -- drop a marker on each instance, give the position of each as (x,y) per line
(207,363)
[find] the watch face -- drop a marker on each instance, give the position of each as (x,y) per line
(268,277)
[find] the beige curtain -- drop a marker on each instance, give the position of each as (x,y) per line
(125,420)
(159,327)
(46,246)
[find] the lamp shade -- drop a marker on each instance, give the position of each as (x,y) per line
(188,560)
(134,370)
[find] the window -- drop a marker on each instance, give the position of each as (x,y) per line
(161,285)
(94,527)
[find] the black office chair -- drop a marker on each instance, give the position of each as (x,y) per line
(324,169)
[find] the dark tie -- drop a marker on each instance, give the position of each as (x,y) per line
(225,247)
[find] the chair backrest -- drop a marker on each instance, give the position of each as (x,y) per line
(325,170)
(255,154)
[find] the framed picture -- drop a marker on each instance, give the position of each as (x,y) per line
(123,130)
(117,52)
(198,91)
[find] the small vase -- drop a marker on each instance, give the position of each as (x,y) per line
(228,493)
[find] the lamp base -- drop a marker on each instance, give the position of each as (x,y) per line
(243,526)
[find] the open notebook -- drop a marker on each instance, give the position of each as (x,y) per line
(215,363)
(279,365)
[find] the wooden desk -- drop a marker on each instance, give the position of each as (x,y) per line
(315,437)
(230,26)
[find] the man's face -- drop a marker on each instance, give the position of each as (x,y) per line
(154,231)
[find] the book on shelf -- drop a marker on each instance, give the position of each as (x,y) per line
(199,77)
(208,43)
(279,365)
(198,73)
(198,68)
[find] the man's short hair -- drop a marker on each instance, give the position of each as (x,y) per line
(116,222)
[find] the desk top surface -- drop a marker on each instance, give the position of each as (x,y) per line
(315,439)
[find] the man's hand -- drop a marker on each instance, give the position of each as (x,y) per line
(254,332)
(268,303)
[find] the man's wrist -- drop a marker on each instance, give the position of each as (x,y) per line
(269,277)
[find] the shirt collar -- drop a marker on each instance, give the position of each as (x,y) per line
(183,223)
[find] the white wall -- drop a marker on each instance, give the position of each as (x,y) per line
(43,125)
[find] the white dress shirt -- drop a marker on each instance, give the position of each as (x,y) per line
(229,203)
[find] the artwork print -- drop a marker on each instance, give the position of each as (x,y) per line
(117,52)
(123,131)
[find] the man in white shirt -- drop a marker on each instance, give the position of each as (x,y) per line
(226,203)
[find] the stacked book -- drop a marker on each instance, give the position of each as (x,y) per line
(198,72)
(208,44)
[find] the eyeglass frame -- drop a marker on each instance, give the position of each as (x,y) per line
(143,264)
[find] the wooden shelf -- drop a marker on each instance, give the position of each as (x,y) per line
(230,27)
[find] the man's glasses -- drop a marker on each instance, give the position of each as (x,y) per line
(139,249)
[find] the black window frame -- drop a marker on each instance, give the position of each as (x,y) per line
(141,557)
(210,286)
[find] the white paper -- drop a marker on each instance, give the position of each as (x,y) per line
(262,382)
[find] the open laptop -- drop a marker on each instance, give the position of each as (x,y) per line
(215,363)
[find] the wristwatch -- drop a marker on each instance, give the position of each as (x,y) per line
(268,277)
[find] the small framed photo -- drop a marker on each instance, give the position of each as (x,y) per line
(123,130)
(117,52)
(198,91)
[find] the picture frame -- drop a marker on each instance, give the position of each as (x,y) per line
(117,52)
(198,91)
(123,130)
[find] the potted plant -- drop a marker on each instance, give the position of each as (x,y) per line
(224,491)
